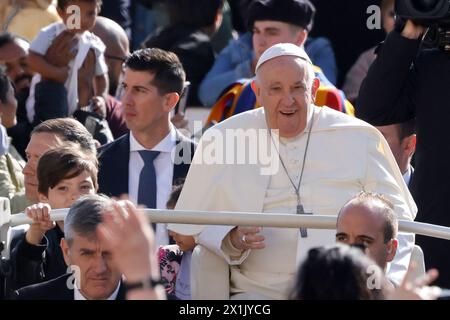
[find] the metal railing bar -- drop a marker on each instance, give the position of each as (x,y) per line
(276,220)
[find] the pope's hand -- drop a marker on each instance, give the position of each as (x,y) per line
(244,238)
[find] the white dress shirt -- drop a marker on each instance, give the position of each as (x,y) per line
(164,176)
(79,296)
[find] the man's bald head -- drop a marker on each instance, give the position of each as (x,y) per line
(117,48)
(112,35)
(377,205)
(369,219)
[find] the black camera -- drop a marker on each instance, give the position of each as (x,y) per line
(433,14)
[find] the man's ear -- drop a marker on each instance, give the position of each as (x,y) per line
(314,88)
(170,101)
(410,146)
(301,37)
(65,249)
(391,250)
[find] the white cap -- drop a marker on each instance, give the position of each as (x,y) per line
(282,49)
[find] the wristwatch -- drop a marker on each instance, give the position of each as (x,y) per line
(148,283)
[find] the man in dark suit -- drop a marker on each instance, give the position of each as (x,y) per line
(56,289)
(146,162)
(408,80)
(96,276)
(401,138)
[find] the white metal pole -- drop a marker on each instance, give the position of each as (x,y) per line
(276,220)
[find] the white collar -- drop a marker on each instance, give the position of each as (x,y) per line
(79,296)
(407,175)
(165,145)
(309,117)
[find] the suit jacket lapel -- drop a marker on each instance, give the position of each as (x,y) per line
(411,179)
(120,165)
(62,290)
(122,292)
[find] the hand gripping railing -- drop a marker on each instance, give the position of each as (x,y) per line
(239,218)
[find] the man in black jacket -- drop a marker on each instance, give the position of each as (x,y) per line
(96,276)
(405,83)
(146,162)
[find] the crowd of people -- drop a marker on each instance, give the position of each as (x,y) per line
(91,121)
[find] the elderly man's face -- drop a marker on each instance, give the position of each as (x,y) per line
(99,276)
(38,145)
(358,224)
(281,88)
(14,57)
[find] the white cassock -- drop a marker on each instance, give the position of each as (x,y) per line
(345,156)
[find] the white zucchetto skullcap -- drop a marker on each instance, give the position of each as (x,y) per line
(282,49)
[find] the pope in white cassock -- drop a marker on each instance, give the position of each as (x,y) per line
(322,159)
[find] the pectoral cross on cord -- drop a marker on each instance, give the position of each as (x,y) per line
(300,210)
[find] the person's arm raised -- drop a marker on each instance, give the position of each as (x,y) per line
(127,232)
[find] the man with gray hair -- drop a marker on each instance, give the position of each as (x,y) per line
(319,158)
(96,276)
(369,219)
